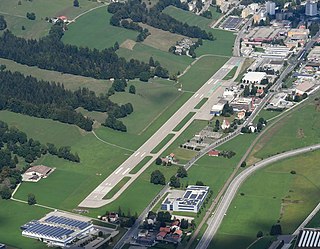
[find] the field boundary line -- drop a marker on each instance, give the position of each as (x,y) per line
(86,12)
(8,14)
(114,145)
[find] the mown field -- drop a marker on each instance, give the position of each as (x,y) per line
(300,128)
(12,216)
(15,14)
(270,195)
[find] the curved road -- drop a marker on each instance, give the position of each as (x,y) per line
(215,221)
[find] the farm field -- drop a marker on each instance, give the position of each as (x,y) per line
(289,198)
(15,14)
(299,129)
(12,216)
(93,30)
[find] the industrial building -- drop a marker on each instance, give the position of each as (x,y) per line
(190,200)
(56,230)
(242,104)
(35,173)
(311,8)
(271,8)
(254,77)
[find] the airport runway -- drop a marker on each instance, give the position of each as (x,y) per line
(95,198)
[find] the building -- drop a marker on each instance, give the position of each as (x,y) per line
(217,109)
(225,124)
(2,246)
(242,104)
(56,230)
(311,8)
(271,8)
(35,173)
(254,77)
(190,201)
(304,87)
(214,153)
(308,238)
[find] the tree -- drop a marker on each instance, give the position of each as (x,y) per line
(227,110)
(199,183)
(158,161)
(151,62)
(132,89)
(76,3)
(276,229)
(314,28)
(3,23)
(243,164)
(31,16)
(182,172)
(2,67)
(5,193)
(174,182)
(31,199)
(246,91)
(157,177)
(259,234)
(217,125)
(116,46)
(145,76)
(184,224)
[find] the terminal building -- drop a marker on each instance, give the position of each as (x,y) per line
(190,200)
(57,230)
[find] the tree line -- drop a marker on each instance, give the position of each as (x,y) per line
(38,98)
(51,53)
(16,146)
(137,11)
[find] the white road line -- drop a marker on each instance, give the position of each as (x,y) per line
(196,95)
(126,171)
(142,154)
(137,153)
(201,96)
(118,171)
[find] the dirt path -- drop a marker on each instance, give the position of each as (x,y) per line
(86,12)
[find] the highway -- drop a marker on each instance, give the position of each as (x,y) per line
(95,198)
(215,221)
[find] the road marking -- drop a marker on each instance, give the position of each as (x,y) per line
(126,171)
(118,171)
(196,95)
(142,154)
(201,96)
(137,153)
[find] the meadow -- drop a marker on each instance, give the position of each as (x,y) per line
(15,14)
(289,198)
(300,128)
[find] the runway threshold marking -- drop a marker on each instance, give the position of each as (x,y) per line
(142,154)
(196,95)
(126,171)
(137,153)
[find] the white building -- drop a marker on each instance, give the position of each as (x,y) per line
(35,173)
(56,230)
(254,77)
(190,201)
(311,8)
(271,8)
(217,109)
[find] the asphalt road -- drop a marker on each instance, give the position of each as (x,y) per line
(95,198)
(215,221)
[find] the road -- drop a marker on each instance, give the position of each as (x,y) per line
(215,221)
(95,198)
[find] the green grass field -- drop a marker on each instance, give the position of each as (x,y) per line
(12,216)
(184,121)
(15,14)
(116,188)
(140,165)
(93,30)
(299,129)
(231,74)
(288,198)
(162,143)
(201,103)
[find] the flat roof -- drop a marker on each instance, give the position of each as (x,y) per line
(254,76)
(305,86)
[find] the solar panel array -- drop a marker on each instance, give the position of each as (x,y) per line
(67,222)
(48,231)
(309,239)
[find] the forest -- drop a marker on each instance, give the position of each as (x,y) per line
(51,53)
(137,11)
(15,146)
(38,98)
